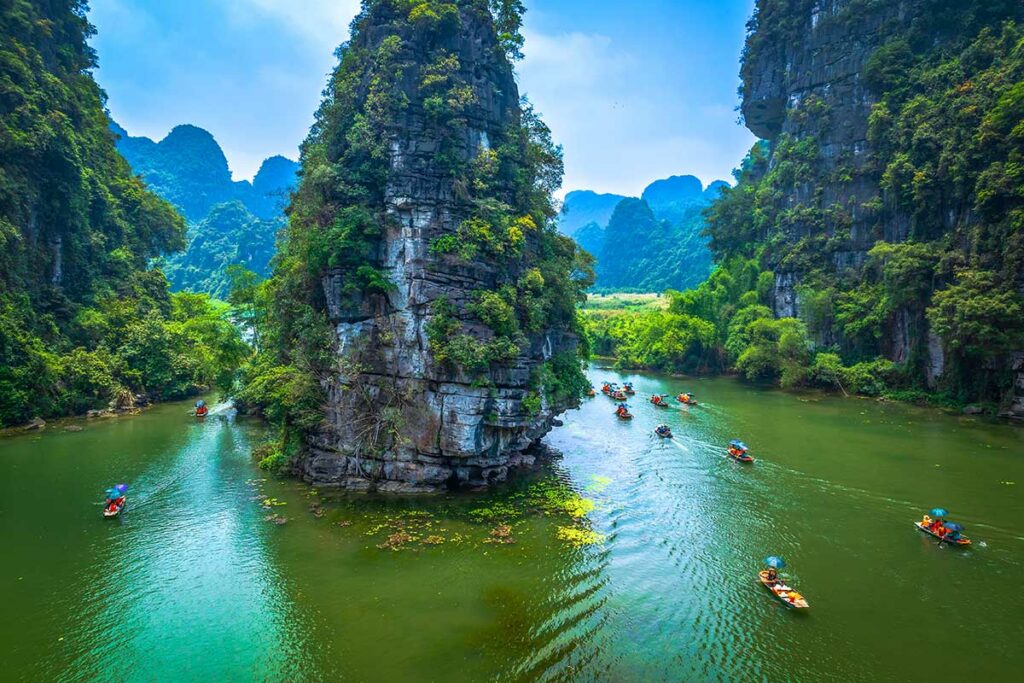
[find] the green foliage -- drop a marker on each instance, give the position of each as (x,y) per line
(977,316)
(508,20)
(82,321)
(947,154)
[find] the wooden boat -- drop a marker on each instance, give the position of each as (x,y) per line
(619,396)
(962,541)
(665,433)
(659,401)
(109,512)
(688,399)
(739,456)
(624,414)
(783,592)
(628,388)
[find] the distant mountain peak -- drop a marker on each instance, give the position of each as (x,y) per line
(673,188)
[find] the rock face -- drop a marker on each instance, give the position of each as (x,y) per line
(815,86)
(397,419)
(807,78)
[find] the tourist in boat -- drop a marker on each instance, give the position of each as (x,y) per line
(201,409)
(772,575)
(115,499)
(663,431)
(628,388)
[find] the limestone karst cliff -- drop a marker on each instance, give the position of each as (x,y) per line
(422,282)
(884,199)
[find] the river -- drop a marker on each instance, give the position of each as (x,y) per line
(196,581)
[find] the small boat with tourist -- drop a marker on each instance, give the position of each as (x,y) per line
(660,400)
(687,398)
(935,524)
(771,580)
(115,500)
(622,412)
(664,431)
(738,452)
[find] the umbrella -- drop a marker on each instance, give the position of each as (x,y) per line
(953,526)
(200,403)
(121,488)
(938,512)
(774,561)
(738,444)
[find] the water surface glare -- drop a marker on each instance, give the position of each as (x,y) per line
(197,582)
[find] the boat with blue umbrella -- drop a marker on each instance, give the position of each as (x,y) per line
(115,500)
(771,580)
(935,524)
(738,452)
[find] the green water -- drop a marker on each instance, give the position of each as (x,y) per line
(194,583)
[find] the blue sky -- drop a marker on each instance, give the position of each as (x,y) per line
(634,91)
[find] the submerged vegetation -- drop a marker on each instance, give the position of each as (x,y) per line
(497,518)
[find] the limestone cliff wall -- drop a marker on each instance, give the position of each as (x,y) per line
(806,78)
(396,419)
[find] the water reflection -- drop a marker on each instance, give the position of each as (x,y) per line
(183,587)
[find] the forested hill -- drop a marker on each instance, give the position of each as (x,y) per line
(83,322)
(885,209)
(648,244)
(230,222)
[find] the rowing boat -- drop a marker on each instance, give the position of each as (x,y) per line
(961,541)
(783,592)
(739,456)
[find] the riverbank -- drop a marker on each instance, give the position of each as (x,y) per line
(76,423)
(924,399)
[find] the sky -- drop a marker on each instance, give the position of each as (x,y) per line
(633,91)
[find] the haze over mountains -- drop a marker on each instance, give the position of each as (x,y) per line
(648,244)
(229,222)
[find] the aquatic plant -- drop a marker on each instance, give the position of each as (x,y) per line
(579,537)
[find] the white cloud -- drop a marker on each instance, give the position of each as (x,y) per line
(323,23)
(622,122)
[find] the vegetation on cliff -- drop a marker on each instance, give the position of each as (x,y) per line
(395,71)
(946,152)
(83,322)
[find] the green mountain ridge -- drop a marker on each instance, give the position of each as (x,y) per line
(230,222)
(648,244)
